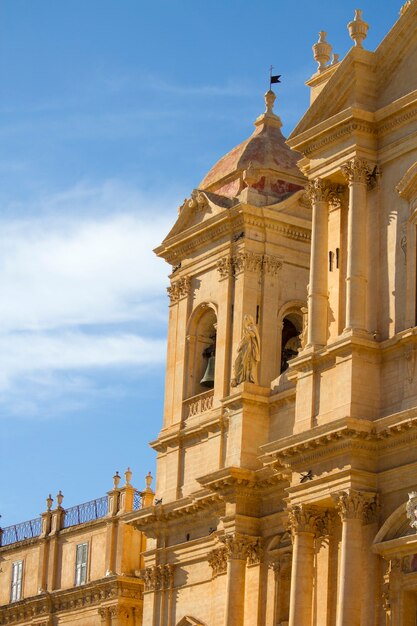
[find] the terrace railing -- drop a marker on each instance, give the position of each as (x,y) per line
(73,516)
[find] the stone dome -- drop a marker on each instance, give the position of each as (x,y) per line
(263,162)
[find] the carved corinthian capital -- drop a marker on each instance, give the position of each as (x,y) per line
(217,559)
(304,519)
(357,505)
(318,190)
(241,547)
(357,171)
(179,289)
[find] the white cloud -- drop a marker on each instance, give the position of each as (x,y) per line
(79,270)
(82,291)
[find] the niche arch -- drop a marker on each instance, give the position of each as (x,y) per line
(201,348)
(291,324)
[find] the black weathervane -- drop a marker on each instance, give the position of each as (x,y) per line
(273,78)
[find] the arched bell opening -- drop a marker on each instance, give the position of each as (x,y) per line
(201,351)
(292,325)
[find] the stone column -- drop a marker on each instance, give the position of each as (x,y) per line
(303,523)
(236,552)
(357,172)
(318,191)
(353,506)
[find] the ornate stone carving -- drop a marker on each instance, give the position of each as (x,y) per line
(217,559)
(356,171)
(248,261)
(158,577)
(304,519)
(255,552)
(318,190)
(242,547)
(179,289)
(271,264)
(356,505)
(225,266)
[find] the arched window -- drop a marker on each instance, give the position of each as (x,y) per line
(292,325)
(201,350)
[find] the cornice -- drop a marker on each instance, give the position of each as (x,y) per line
(94,594)
(151,518)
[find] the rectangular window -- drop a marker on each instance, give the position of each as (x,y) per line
(17,576)
(81,557)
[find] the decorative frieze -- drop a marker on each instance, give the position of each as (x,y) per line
(179,289)
(250,262)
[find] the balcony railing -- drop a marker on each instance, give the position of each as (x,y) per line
(86,512)
(198,404)
(75,515)
(19,532)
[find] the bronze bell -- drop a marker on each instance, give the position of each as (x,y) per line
(208,378)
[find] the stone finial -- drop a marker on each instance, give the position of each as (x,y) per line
(358,29)
(322,51)
(270,98)
(148,480)
(49,501)
(128,475)
(116,480)
(59,498)
(335,58)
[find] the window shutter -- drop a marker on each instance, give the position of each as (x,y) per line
(81,563)
(17,575)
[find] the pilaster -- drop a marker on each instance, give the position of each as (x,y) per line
(357,172)
(318,191)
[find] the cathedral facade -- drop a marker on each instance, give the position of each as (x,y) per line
(286,486)
(287,461)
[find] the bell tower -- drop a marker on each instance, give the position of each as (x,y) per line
(240,255)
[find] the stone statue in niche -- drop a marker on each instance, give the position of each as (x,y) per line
(248,353)
(411,509)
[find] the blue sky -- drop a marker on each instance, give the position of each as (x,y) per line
(111,112)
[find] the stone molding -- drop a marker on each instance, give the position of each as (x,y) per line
(354,504)
(349,128)
(179,289)
(250,262)
(158,577)
(47,604)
